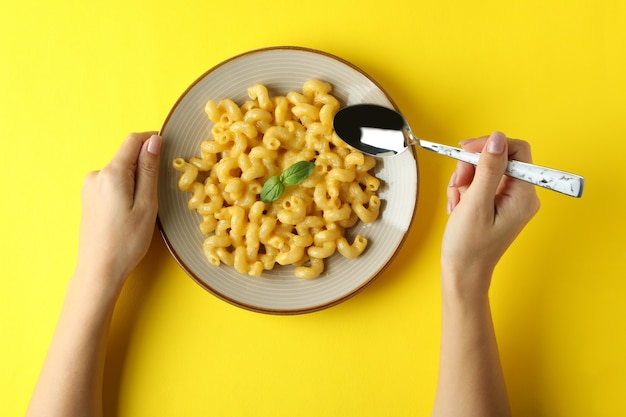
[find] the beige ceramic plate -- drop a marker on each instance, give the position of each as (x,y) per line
(281,69)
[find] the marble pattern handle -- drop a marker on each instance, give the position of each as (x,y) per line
(551,179)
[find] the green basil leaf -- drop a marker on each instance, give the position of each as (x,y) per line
(297,173)
(272,189)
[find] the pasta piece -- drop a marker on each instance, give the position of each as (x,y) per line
(313,271)
(354,250)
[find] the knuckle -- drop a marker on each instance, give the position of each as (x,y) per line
(149,166)
(529,207)
(135,136)
(524,147)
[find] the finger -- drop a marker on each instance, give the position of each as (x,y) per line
(522,196)
(490,168)
(464,174)
(453,194)
(517,149)
(147,172)
(520,150)
(474,145)
(459,181)
(464,171)
(127,154)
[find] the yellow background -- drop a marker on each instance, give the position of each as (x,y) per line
(77,76)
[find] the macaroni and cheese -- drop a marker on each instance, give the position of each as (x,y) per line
(257,140)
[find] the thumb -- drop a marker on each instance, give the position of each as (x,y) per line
(490,168)
(148,171)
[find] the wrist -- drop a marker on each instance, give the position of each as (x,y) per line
(97,283)
(468,286)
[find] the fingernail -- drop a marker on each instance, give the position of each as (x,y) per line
(452,182)
(496,143)
(154,144)
(466,141)
(449,207)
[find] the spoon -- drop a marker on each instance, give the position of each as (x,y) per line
(379,131)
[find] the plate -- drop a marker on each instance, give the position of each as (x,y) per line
(281,69)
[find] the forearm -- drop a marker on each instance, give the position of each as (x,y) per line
(487,211)
(70,383)
(119,206)
(471,382)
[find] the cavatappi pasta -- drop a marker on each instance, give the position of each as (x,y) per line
(257,140)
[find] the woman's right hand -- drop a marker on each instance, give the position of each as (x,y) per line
(487,211)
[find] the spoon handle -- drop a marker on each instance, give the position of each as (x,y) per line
(551,179)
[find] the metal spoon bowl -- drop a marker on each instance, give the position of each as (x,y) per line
(383,132)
